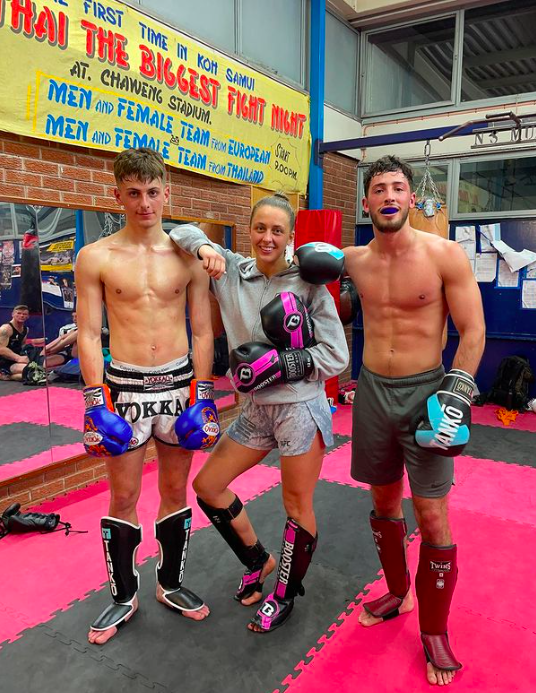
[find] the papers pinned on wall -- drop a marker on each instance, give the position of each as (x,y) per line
(489,233)
(466,237)
(515,260)
(485,267)
(530,271)
(528,294)
(506,279)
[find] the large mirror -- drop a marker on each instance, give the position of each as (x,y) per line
(24,411)
(39,246)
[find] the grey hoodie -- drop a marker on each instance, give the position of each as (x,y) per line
(244,290)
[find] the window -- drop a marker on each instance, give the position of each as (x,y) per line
(341,65)
(210,20)
(497,185)
(6,221)
(273,35)
(410,66)
(499,50)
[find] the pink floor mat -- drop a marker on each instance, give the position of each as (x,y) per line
(342,420)
(493,637)
(30,406)
(66,407)
(41,460)
(53,570)
(495,488)
(486,416)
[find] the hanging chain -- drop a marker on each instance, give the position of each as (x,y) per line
(427,181)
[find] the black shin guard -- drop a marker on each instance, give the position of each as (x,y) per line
(252,557)
(120,540)
(172,534)
(296,555)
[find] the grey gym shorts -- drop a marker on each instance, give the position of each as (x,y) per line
(289,427)
(383,422)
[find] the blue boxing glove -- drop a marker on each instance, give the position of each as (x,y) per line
(198,426)
(445,427)
(319,263)
(106,434)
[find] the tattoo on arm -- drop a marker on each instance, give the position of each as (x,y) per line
(4,335)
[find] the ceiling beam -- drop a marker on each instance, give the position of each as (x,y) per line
(497,57)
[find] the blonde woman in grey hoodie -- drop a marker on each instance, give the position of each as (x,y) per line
(285,340)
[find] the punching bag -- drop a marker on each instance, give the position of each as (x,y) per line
(30,273)
(322,225)
(430,213)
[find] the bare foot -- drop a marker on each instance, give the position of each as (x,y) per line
(267,568)
(101,637)
(438,677)
(198,615)
(367,620)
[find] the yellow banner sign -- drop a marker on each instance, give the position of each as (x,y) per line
(100,74)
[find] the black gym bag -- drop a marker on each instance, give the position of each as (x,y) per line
(12,521)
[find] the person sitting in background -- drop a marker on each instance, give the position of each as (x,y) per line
(13,337)
(64,347)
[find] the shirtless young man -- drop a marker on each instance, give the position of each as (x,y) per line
(13,337)
(144,281)
(408,282)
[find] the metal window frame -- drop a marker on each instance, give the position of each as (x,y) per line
(455,214)
(366,72)
(237,56)
(355,114)
(264,68)
(457,78)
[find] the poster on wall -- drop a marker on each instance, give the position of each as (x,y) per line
(106,76)
(57,256)
(57,278)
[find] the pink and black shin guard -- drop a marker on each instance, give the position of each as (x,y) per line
(390,539)
(435,583)
(296,555)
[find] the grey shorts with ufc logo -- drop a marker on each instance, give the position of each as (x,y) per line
(150,398)
(289,427)
(383,423)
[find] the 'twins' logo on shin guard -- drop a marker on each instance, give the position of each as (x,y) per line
(440,567)
(377,539)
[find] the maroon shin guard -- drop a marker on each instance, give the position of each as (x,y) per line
(390,538)
(435,583)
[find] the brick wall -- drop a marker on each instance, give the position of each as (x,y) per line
(47,173)
(39,172)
